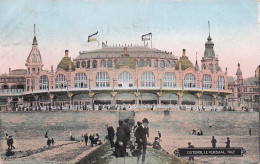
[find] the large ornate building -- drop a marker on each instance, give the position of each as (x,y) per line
(117,75)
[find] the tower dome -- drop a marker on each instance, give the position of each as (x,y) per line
(184,62)
(66,63)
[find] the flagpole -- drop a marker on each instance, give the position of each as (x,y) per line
(98,40)
(151,40)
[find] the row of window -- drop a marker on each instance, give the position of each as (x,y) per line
(4,80)
(126,80)
(141,63)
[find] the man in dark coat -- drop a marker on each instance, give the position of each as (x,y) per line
(191,146)
(86,139)
(111,135)
(127,129)
(228,143)
(213,141)
(141,134)
(120,145)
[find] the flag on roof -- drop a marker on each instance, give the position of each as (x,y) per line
(93,37)
(146,36)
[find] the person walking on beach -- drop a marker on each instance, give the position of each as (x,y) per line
(228,143)
(159,135)
(141,134)
(49,142)
(191,146)
(250,131)
(120,145)
(213,142)
(86,139)
(52,142)
(111,135)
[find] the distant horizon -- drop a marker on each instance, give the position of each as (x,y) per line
(175,25)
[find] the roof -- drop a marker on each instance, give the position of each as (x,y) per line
(125,60)
(185,63)
(209,52)
(231,80)
(18,72)
(133,51)
(65,64)
(250,81)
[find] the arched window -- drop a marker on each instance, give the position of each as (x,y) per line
(189,81)
(103,63)
(136,63)
(169,80)
(94,64)
(5,88)
(173,64)
(167,64)
(102,80)
(125,79)
(221,83)
(207,82)
(141,63)
(83,64)
(44,83)
(80,80)
(115,63)
(162,64)
(109,63)
(60,81)
(148,63)
(78,64)
(88,64)
(211,67)
(34,59)
(155,63)
(148,79)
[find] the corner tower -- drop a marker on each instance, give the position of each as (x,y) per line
(34,61)
(209,60)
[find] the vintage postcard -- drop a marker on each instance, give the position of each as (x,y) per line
(129,81)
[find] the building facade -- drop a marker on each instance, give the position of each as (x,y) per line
(117,75)
(245,91)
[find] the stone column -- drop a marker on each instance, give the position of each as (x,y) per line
(198,95)
(36,97)
(215,99)
(70,96)
(51,98)
(180,95)
(137,97)
(91,95)
(159,94)
(113,94)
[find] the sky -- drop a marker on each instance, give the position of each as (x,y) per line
(175,25)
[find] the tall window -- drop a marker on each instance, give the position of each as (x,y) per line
(207,82)
(60,81)
(44,83)
(169,80)
(162,64)
(28,84)
(109,63)
(148,63)
(88,64)
(80,80)
(115,63)
(155,63)
(94,64)
(83,64)
(34,59)
(136,63)
(78,64)
(125,79)
(172,64)
(102,80)
(103,63)
(221,83)
(141,63)
(189,81)
(33,84)
(167,64)
(148,79)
